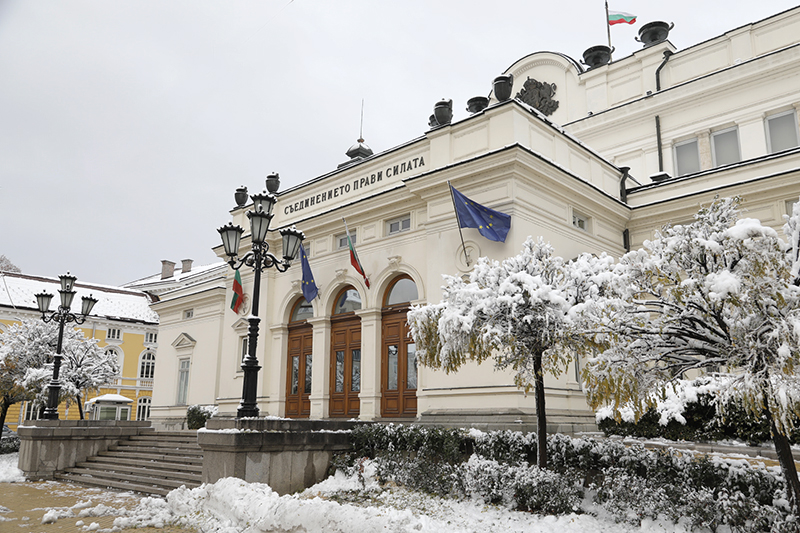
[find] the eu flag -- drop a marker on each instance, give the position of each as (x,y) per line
(309,287)
(492,224)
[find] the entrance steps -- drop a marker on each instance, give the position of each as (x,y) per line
(153,463)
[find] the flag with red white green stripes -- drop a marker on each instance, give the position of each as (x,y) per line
(354,256)
(238,293)
(620,17)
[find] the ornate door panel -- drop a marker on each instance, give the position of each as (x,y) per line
(298,372)
(345,367)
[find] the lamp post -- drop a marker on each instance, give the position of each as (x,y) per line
(62,315)
(258,258)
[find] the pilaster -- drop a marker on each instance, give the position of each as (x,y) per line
(320,367)
(370,394)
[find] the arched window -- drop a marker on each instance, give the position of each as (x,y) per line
(303,310)
(147,365)
(399,352)
(143,408)
(402,291)
(348,300)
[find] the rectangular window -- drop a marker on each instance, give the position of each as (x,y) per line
(244,344)
(580,221)
(114,334)
(725,147)
(183,381)
(189,313)
(339,383)
(782,132)
(150,337)
(411,366)
(355,371)
(309,359)
(687,157)
(391,381)
(341,240)
(295,373)
(398,225)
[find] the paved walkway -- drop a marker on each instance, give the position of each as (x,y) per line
(23,505)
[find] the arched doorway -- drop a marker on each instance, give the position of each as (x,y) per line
(345,354)
(298,368)
(398,351)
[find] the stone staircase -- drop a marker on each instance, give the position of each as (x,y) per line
(153,463)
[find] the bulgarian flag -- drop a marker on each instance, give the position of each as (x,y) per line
(354,256)
(238,293)
(620,17)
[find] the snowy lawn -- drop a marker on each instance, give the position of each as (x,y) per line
(9,472)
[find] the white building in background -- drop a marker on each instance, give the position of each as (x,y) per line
(593,160)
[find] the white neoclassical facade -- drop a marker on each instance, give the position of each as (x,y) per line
(593,160)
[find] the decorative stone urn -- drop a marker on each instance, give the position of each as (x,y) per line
(502,87)
(477,104)
(443,112)
(654,32)
(240,196)
(597,56)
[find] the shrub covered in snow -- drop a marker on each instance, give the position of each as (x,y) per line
(604,478)
(9,444)
(196,415)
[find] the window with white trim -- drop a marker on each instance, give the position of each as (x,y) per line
(188,313)
(150,337)
(113,334)
(244,344)
(725,147)
(147,365)
(782,131)
(183,381)
(114,352)
(580,221)
(398,225)
(143,408)
(687,157)
(341,240)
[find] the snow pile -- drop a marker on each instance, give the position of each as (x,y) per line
(9,473)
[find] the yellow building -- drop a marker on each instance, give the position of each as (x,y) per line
(122,322)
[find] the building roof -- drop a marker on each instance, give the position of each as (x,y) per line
(157,286)
(18,291)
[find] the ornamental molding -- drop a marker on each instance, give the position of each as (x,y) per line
(539,95)
(394,262)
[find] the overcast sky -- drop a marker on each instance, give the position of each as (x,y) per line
(125,126)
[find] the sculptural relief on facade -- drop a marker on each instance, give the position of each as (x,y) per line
(539,95)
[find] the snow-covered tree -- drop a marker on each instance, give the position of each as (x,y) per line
(7,266)
(26,364)
(514,312)
(718,294)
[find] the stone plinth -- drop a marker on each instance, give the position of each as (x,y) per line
(50,446)
(287,455)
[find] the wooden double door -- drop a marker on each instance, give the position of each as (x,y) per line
(298,378)
(345,367)
(398,366)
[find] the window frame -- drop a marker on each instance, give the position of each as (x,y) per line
(718,133)
(580,217)
(343,237)
(676,145)
(113,334)
(398,220)
(182,392)
(768,135)
(188,313)
(151,364)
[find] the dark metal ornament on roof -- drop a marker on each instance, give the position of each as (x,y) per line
(539,95)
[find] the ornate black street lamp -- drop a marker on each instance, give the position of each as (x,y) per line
(258,258)
(62,315)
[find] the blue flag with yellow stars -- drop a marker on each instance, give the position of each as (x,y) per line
(310,290)
(492,224)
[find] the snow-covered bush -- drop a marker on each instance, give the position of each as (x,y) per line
(9,444)
(601,477)
(196,415)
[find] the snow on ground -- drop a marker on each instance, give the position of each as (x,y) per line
(343,504)
(9,472)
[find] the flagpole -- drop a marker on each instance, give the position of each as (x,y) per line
(608,30)
(458,220)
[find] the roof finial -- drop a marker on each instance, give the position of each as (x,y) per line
(361,129)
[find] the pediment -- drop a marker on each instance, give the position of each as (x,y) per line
(241,325)
(184,340)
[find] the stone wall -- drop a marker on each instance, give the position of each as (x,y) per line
(50,446)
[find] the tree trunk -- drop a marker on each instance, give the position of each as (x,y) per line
(4,405)
(784,451)
(541,417)
(80,406)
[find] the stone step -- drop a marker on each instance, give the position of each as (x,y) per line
(161,465)
(144,480)
(161,444)
(157,477)
(110,483)
(158,438)
(124,446)
(155,471)
(157,457)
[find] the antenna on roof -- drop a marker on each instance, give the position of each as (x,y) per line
(361,128)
